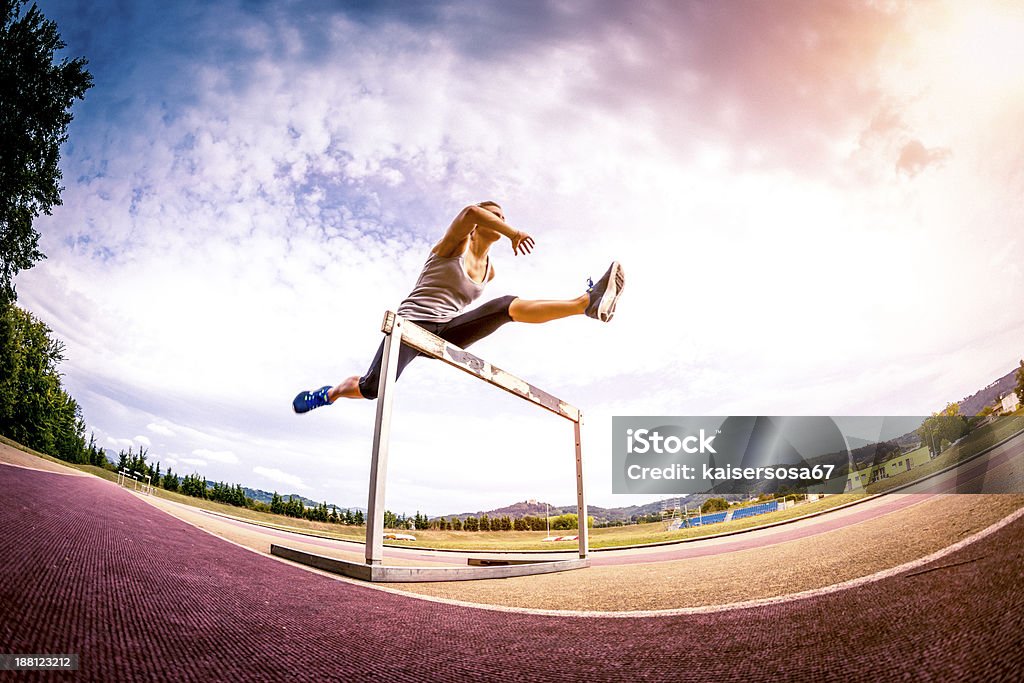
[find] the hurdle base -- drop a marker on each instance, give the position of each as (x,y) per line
(478,568)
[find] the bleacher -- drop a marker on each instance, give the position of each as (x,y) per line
(759,509)
(712,518)
(716,517)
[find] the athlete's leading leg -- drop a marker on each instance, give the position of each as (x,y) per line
(472,326)
(598,302)
(534,311)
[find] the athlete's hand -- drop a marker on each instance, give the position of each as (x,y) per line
(522,243)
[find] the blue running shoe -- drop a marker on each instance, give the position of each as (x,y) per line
(307,400)
(605,294)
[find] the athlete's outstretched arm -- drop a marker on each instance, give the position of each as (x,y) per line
(457,236)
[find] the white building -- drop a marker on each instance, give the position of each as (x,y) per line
(1010,402)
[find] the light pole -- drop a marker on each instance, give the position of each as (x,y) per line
(547,519)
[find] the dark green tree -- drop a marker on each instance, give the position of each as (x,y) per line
(95,454)
(942,428)
(713,505)
(36,94)
(421,521)
(564,522)
(194,485)
(122,460)
(34,408)
(295,507)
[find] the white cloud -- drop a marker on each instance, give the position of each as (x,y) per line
(277,477)
(160,429)
(140,441)
(216,456)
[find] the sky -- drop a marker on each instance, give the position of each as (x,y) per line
(818,207)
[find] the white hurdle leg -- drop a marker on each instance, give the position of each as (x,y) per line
(581,504)
(381,437)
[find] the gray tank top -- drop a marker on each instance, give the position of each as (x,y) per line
(442,291)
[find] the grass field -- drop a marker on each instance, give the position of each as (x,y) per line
(975,442)
(635,534)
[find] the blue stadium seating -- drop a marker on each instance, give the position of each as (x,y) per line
(715,517)
(759,509)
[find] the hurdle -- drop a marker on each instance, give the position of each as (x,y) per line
(399,331)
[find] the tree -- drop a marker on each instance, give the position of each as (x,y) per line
(122,460)
(95,454)
(946,426)
(34,408)
(295,507)
(714,505)
(194,485)
(563,522)
(36,94)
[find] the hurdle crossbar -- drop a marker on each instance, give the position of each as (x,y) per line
(431,345)
(400,331)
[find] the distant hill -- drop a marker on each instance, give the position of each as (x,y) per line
(976,402)
(265,497)
(600,514)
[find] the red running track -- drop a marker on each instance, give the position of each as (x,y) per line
(87,568)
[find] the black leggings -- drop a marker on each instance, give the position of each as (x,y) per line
(462,330)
